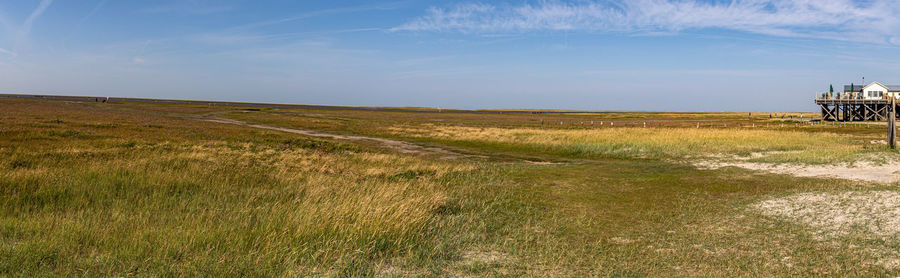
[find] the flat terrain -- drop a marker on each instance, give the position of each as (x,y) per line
(174,189)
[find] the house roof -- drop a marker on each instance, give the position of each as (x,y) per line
(857,88)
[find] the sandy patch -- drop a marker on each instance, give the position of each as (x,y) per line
(876,212)
(621,240)
(395,271)
(480,263)
(485,257)
(863,171)
(873,214)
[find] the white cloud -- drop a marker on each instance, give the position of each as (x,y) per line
(869,21)
(7,52)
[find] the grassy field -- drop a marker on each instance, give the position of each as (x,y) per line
(136,189)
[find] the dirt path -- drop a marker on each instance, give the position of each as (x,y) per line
(394,145)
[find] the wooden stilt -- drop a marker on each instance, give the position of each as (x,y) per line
(892,128)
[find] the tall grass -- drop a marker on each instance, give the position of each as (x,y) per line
(658,143)
(212,200)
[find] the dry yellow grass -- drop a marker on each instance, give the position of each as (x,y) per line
(791,146)
(152,195)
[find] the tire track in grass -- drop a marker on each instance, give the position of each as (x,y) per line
(394,145)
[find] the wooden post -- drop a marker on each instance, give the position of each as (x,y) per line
(892,126)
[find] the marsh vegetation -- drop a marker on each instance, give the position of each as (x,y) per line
(153,189)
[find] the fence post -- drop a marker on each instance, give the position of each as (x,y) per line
(892,125)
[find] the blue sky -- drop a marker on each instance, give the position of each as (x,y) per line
(752,55)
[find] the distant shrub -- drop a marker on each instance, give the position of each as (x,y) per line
(411,174)
(316,145)
(129,144)
(103,125)
(448,207)
(21,163)
(64,133)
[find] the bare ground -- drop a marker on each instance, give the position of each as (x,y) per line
(873,214)
(864,171)
(877,212)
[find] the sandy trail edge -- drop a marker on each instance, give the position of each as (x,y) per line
(883,173)
(394,145)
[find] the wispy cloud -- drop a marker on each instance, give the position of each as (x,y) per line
(4,23)
(26,27)
(256,32)
(223,38)
(191,7)
(139,59)
(8,52)
(84,19)
(869,21)
(20,35)
(317,13)
(93,11)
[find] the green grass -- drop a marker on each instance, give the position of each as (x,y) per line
(656,219)
(149,191)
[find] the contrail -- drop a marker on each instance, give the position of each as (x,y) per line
(26,28)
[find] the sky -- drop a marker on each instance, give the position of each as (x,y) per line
(685,55)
